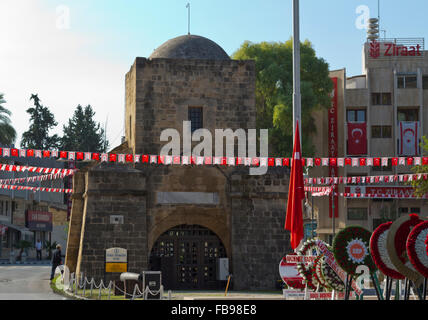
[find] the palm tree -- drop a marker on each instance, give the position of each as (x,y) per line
(7,132)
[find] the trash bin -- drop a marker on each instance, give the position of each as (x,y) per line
(129,280)
(153,281)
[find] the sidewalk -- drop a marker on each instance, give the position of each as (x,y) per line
(28,262)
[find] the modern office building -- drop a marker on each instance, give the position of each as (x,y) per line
(381,113)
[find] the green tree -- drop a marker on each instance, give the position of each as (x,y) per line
(41,122)
(82,132)
(274,91)
(421,186)
(7,132)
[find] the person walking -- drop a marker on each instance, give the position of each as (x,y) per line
(39,249)
(56,260)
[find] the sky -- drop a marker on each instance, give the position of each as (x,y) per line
(74,52)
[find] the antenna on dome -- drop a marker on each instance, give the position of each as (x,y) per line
(188,18)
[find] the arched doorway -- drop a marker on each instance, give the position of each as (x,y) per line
(187,255)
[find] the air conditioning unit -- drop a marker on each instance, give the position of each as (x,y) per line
(222,268)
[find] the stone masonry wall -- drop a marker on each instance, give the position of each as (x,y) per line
(113,190)
(162,217)
(165,88)
(259,240)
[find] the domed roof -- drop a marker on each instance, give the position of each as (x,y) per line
(190,47)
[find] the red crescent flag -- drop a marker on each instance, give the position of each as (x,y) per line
(296,193)
(357,138)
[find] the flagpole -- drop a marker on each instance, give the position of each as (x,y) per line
(296,75)
(296,68)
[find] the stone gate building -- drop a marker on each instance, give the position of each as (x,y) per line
(180,219)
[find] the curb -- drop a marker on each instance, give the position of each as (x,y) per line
(66,293)
(26,263)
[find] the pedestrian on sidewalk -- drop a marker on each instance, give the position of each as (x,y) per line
(56,260)
(39,249)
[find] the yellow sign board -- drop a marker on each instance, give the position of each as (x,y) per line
(116,267)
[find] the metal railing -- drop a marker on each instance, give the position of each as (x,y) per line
(81,287)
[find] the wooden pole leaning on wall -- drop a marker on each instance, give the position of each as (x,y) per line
(227,286)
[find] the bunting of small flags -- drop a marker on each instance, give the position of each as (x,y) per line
(227,161)
(52,176)
(368,195)
(366,179)
(35,189)
(319,191)
(43,170)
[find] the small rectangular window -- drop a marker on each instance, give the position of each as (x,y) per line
(386,99)
(404,114)
(379,132)
(357,214)
(196,118)
(356,115)
(406,82)
(387,168)
(383,99)
(411,82)
(425,82)
(402,211)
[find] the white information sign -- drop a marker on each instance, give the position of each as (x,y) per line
(119,255)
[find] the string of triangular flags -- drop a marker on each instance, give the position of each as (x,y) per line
(44,170)
(367,179)
(52,176)
(35,189)
(199,160)
(327,191)
(49,174)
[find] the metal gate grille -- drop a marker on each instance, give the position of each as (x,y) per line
(187,257)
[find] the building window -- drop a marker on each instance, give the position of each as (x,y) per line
(403,211)
(357,214)
(425,82)
(377,223)
(407,82)
(196,118)
(415,210)
(356,115)
(404,114)
(379,132)
(387,168)
(381,99)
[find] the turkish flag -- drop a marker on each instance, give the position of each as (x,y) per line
(357,138)
(409,137)
(296,193)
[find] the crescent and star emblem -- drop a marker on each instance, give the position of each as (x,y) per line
(357,139)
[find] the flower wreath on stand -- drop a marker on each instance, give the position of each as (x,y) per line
(416,248)
(351,249)
(379,252)
(426,245)
(332,279)
(308,271)
(318,272)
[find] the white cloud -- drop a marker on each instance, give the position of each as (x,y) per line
(59,64)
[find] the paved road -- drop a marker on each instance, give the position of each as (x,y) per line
(26,283)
